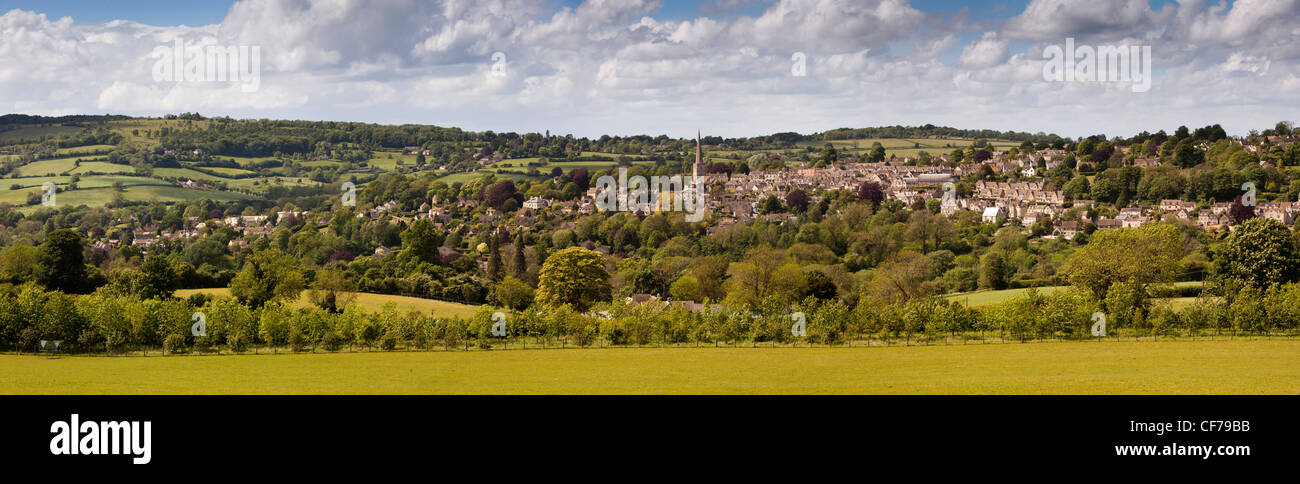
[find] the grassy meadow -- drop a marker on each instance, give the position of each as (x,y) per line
(1241,366)
(372,302)
(977,299)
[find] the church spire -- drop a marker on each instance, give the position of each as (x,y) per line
(699,157)
(699,149)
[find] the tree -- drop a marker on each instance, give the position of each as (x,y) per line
(159,279)
(494,270)
(871,192)
(520,260)
(269,275)
(797,200)
(332,290)
(422,240)
(573,276)
(1139,257)
(771,204)
(1238,213)
(1187,155)
(829,155)
(820,286)
(993,270)
(18,263)
(512,293)
(502,192)
(686,288)
(901,278)
(1259,252)
(61,262)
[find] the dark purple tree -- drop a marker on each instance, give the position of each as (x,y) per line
(1239,213)
(499,193)
(580,177)
(871,192)
(797,200)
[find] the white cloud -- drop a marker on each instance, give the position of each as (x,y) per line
(987,51)
(618,67)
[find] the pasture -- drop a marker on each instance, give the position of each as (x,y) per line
(1240,366)
(986,298)
(372,302)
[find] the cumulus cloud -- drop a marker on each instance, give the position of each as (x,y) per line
(987,51)
(621,67)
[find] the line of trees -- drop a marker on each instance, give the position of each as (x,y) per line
(116,324)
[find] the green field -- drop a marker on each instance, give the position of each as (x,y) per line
(53,166)
(102,167)
(373,302)
(985,298)
(33,132)
(84,150)
(1177,367)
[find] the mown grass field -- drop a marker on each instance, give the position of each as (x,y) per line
(986,298)
(1173,367)
(373,302)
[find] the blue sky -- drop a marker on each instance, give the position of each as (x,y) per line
(153,12)
(204,12)
(665,67)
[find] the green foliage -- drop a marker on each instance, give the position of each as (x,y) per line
(1260,252)
(513,293)
(422,240)
(1139,257)
(574,276)
(61,263)
(268,275)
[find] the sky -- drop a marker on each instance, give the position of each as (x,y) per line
(621,67)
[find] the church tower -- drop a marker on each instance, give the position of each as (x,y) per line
(699,158)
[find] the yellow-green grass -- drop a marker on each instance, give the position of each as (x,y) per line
(33,181)
(260,184)
(226,171)
(101,167)
(383,162)
(53,166)
(172,193)
(127,181)
(466,177)
(1146,367)
(125,127)
(155,190)
(985,298)
(83,150)
(373,302)
(319,163)
(188,174)
(32,132)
